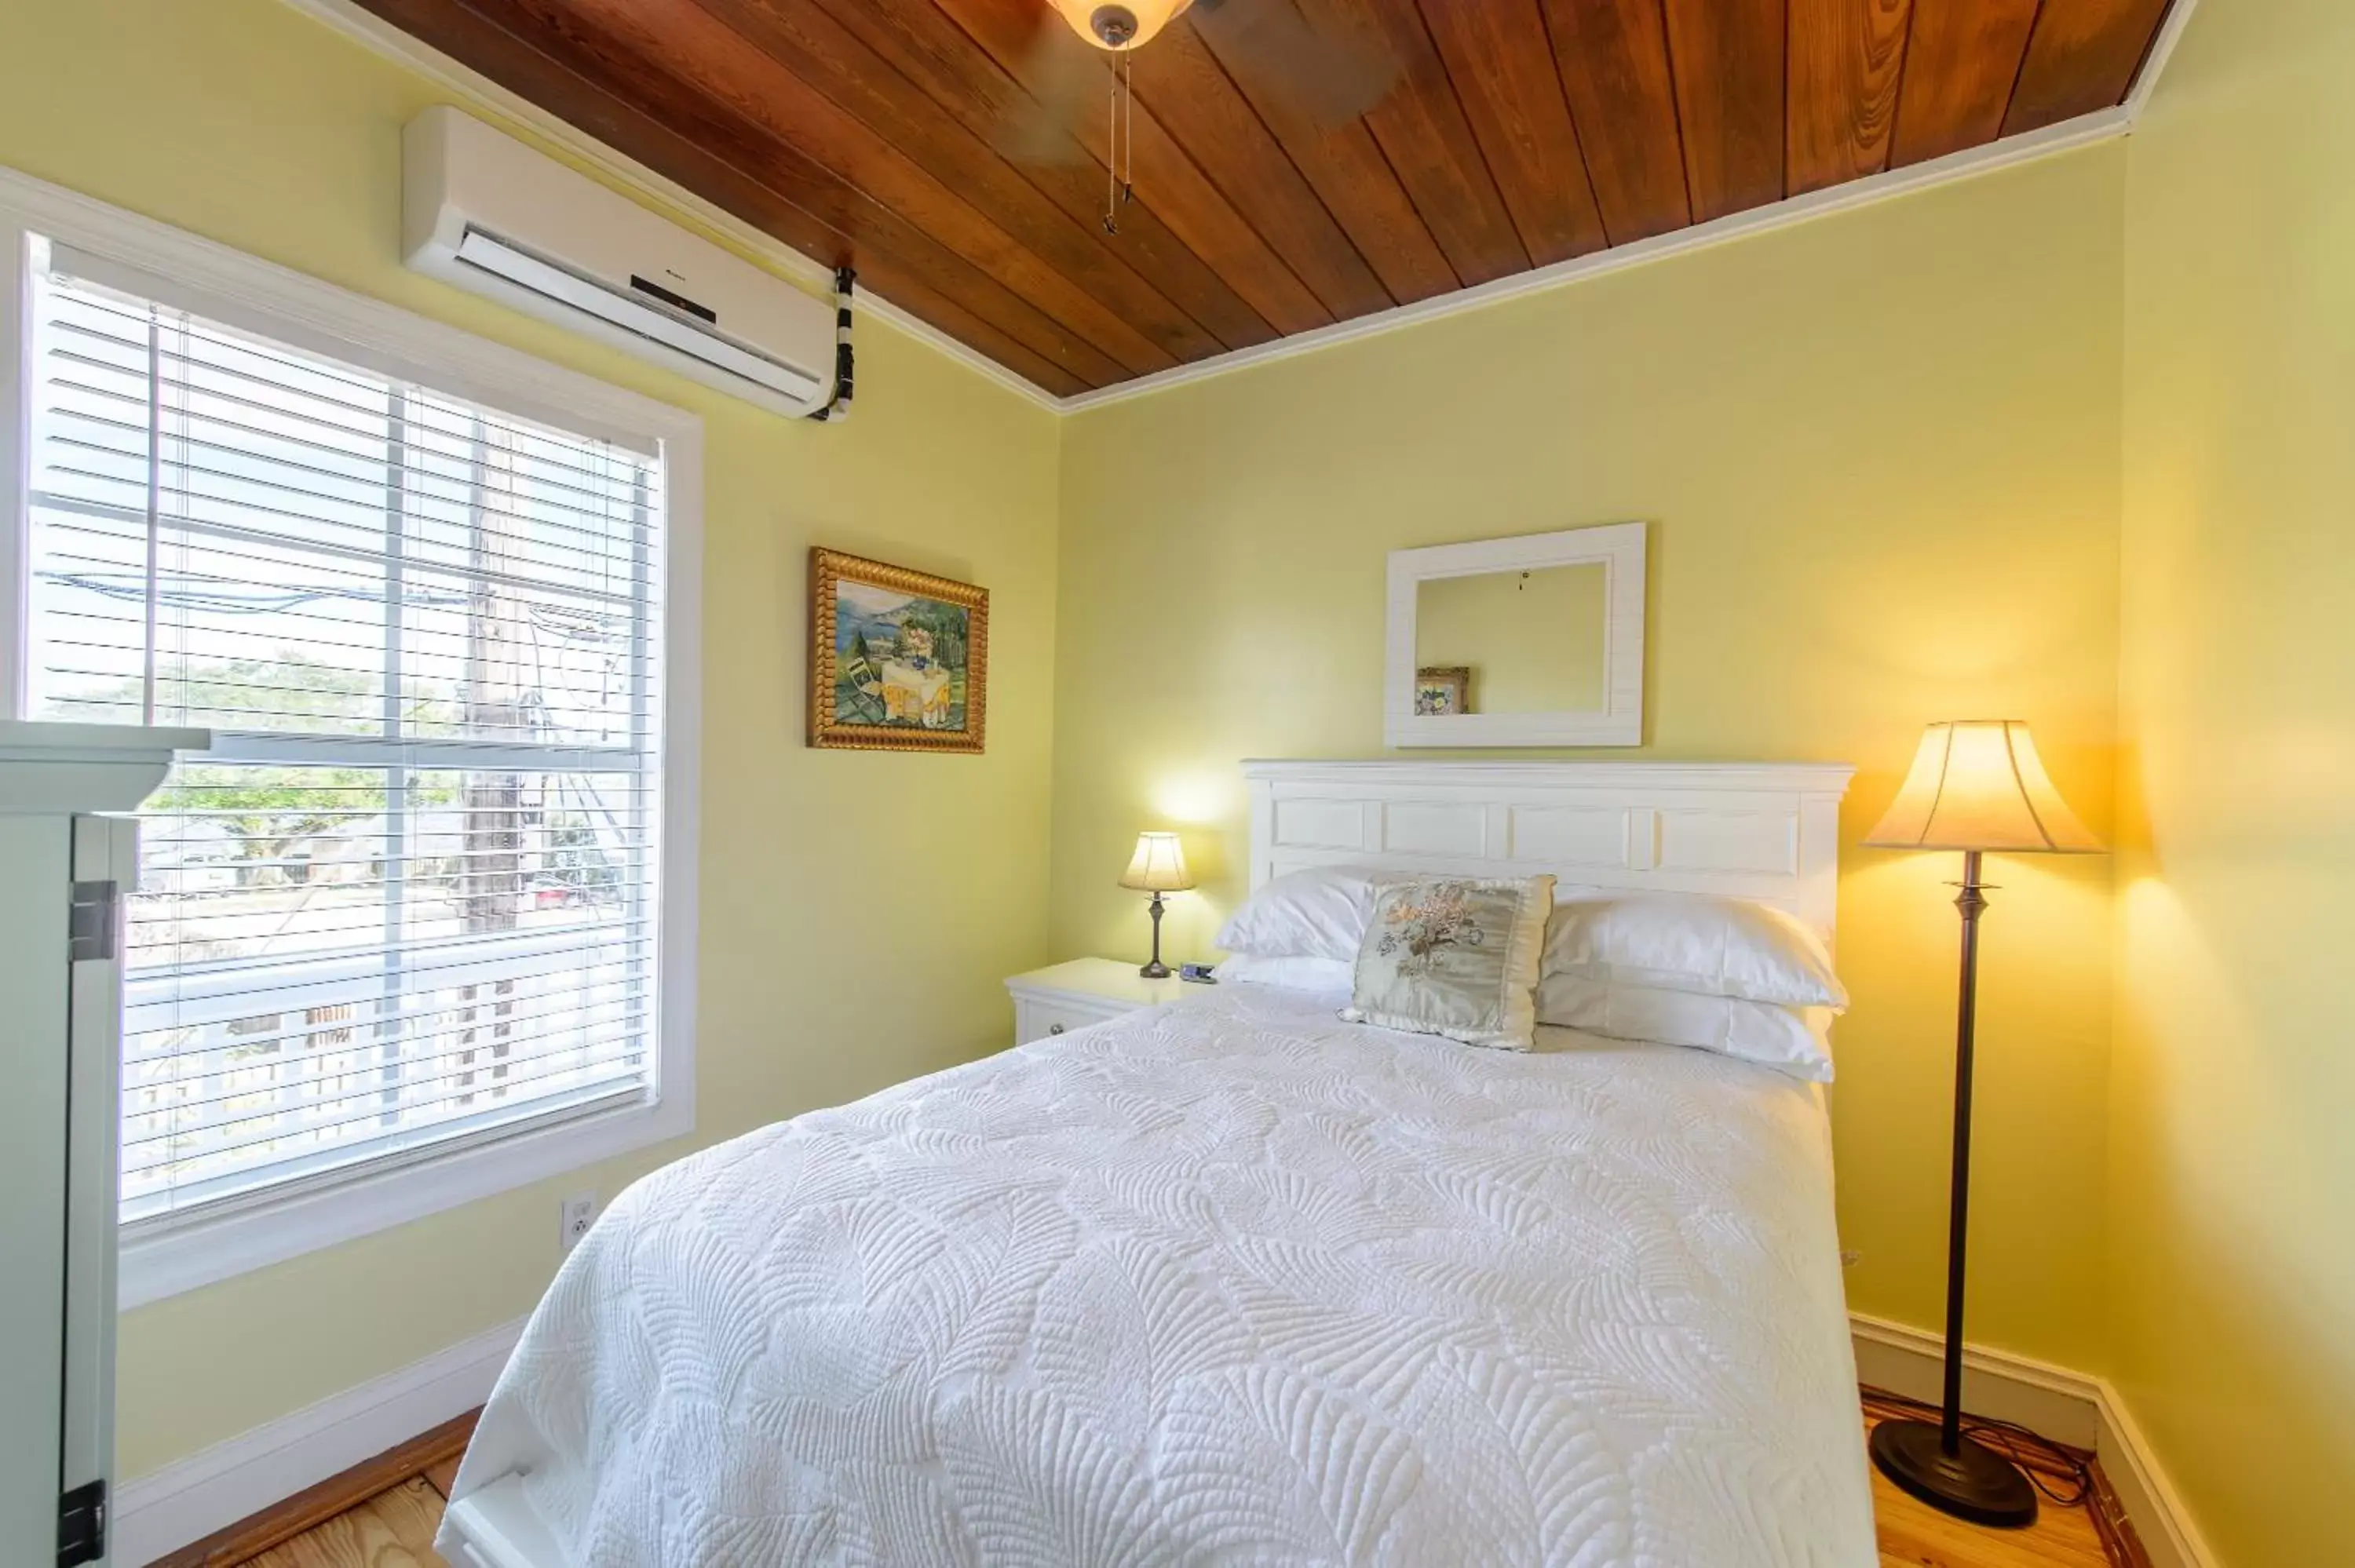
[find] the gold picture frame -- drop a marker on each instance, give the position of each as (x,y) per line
(899,658)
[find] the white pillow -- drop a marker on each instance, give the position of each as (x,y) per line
(1292,973)
(1789,1039)
(1692,942)
(1320,913)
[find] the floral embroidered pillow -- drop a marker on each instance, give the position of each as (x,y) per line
(1455,956)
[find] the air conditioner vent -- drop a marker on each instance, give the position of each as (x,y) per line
(483,211)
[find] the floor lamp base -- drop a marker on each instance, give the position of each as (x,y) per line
(1974,1483)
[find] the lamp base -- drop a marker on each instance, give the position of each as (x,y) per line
(1152,968)
(1974,1483)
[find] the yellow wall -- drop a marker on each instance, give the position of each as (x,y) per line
(244,121)
(2233,1190)
(1880,455)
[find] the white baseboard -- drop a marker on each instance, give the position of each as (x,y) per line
(2151,1499)
(2065,1406)
(2058,1402)
(216,1487)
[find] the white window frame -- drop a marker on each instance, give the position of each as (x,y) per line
(242,290)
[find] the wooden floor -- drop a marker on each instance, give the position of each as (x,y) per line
(392,1530)
(395,1530)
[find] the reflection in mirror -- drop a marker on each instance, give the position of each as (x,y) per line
(1517,641)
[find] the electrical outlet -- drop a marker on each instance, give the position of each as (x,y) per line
(574,1216)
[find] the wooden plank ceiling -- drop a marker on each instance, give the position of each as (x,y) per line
(940,145)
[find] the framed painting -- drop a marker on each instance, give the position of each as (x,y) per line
(899,658)
(1440,690)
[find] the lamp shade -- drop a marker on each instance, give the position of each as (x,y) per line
(1977,784)
(1158,866)
(1122,24)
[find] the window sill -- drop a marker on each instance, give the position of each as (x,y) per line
(206,1250)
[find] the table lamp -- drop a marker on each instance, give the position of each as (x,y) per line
(1976,785)
(1158,867)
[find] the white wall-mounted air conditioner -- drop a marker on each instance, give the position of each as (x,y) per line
(483,211)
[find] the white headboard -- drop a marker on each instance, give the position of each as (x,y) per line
(1768,830)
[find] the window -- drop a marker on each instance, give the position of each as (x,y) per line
(411,903)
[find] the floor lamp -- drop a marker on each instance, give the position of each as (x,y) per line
(1976,786)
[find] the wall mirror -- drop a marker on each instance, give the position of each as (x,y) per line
(1535,641)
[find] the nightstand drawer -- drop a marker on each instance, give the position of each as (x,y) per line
(1037,1017)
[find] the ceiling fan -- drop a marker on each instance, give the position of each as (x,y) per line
(1332,78)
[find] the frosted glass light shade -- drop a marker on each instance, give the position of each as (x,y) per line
(1158,866)
(1122,24)
(1977,784)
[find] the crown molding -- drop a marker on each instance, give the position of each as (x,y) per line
(2154,63)
(2069,134)
(477,91)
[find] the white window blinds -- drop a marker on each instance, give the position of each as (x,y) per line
(410,897)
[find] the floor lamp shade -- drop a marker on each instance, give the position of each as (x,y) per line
(1976,785)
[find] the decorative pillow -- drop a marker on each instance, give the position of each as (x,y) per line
(1292,973)
(1320,913)
(1791,1040)
(1692,942)
(1455,956)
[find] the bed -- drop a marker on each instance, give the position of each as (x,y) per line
(1229,1280)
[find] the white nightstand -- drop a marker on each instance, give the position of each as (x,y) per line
(1063,997)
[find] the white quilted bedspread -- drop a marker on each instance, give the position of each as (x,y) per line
(1223,1282)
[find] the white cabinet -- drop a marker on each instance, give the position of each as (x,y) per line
(65,870)
(1064,997)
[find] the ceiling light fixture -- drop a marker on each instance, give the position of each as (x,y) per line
(1119,28)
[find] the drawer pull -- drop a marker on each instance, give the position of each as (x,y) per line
(1054,1029)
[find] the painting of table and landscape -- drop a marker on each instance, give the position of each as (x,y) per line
(899,658)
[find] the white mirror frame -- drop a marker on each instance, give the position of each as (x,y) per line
(1618,548)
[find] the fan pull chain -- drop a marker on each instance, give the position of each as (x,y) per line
(1120,160)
